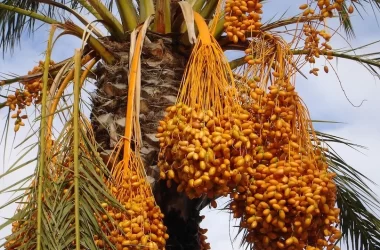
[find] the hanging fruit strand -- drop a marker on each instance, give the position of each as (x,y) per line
(139,224)
(208,80)
(289,198)
(195,135)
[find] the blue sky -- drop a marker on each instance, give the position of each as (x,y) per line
(323,96)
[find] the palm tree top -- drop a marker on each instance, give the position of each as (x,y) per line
(121,19)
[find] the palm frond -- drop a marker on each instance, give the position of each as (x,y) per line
(369,61)
(91,190)
(55,194)
(114,25)
(41,169)
(363,4)
(81,18)
(13,25)
(345,21)
(58,204)
(359,205)
(76,149)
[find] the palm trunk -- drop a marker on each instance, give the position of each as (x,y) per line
(162,69)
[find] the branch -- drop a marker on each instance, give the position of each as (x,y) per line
(128,14)
(92,42)
(286,22)
(209,9)
(73,12)
(76,118)
(162,20)
(356,58)
(146,8)
(29,13)
(42,149)
(237,62)
(240,61)
(90,9)
(219,29)
(53,70)
(108,18)
(15,20)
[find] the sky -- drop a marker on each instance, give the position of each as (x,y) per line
(323,96)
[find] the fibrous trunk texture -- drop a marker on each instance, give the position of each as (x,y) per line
(162,68)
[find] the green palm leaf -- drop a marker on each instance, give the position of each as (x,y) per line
(67,187)
(14,25)
(359,205)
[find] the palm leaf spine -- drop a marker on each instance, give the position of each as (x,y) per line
(77,83)
(42,149)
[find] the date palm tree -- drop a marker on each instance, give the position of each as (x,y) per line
(106,60)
